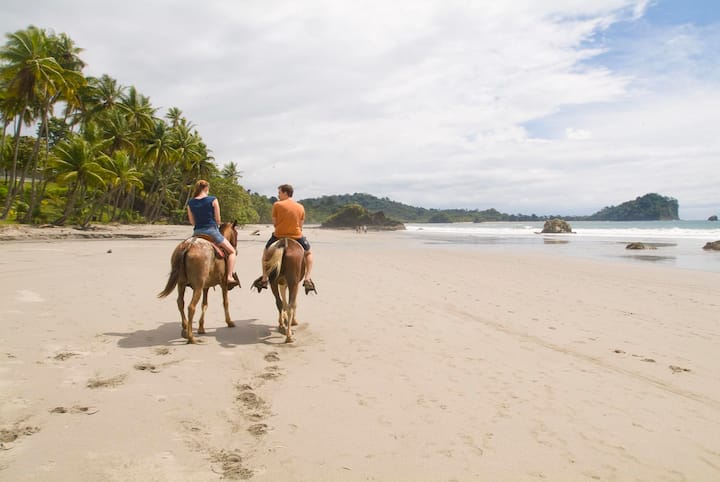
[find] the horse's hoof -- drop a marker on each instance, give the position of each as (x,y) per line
(201,331)
(191,341)
(230,324)
(294,323)
(289,339)
(184,334)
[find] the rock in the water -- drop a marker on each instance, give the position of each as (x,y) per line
(636,246)
(713,218)
(556,226)
(713,245)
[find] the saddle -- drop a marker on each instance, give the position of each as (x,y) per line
(219,253)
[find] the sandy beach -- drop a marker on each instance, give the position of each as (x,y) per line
(413,363)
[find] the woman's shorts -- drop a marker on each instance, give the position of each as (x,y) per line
(213,232)
(303,242)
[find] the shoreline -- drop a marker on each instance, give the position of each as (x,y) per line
(413,362)
(22,232)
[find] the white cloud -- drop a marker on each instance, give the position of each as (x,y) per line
(577,134)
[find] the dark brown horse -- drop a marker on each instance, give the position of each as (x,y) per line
(194,263)
(286,268)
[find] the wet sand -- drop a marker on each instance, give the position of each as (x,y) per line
(412,363)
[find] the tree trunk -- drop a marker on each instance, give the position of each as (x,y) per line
(12,184)
(33,170)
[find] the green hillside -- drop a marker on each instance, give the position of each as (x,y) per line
(648,207)
(318,210)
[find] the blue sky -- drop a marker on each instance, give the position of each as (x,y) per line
(555,106)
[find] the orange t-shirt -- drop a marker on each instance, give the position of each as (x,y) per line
(289,216)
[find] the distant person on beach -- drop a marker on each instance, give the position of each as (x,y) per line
(288,217)
(204,214)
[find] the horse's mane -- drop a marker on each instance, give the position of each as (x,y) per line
(228,230)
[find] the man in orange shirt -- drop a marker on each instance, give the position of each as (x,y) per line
(288,217)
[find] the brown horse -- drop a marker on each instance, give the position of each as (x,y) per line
(194,263)
(285,265)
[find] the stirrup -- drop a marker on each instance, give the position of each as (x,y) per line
(259,284)
(234,283)
(309,286)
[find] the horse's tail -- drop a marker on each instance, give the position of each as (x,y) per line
(274,264)
(177,269)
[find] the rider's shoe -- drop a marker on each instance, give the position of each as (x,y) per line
(260,284)
(309,286)
(233,282)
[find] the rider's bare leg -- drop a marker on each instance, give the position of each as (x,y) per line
(231,255)
(264,277)
(308,264)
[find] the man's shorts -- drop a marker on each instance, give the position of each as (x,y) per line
(213,232)
(303,242)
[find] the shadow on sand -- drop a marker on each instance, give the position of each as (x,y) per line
(245,332)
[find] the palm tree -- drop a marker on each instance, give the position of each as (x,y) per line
(99,96)
(63,88)
(231,171)
(138,110)
(123,178)
(76,161)
(24,63)
(159,156)
(34,80)
(175,116)
(115,128)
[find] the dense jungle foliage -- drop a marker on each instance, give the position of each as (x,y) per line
(100,151)
(320,209)
(650,207)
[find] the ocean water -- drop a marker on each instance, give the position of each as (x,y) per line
(677,243)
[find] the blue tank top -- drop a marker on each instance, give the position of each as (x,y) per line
(203,212)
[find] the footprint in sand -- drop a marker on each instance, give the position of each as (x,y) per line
(253,407)
(106,382)
(271,373)
(75,409)
(677,369)
(272,357)
(163,350)
(10,435)
(258,429)
(229,464)
(62,356)
(144,366)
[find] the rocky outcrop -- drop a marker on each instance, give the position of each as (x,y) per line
(640,246)
(713,245)
(555,226)
(354,215)
(650,207)
(713,218)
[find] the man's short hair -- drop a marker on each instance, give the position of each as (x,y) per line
(287,189)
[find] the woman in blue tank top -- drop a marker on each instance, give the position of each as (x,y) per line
(204,214)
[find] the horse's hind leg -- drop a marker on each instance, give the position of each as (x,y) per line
(287,312)
(201,326)
(191,313)
(278,305)
(290,309)
(181,307)
(226,306)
